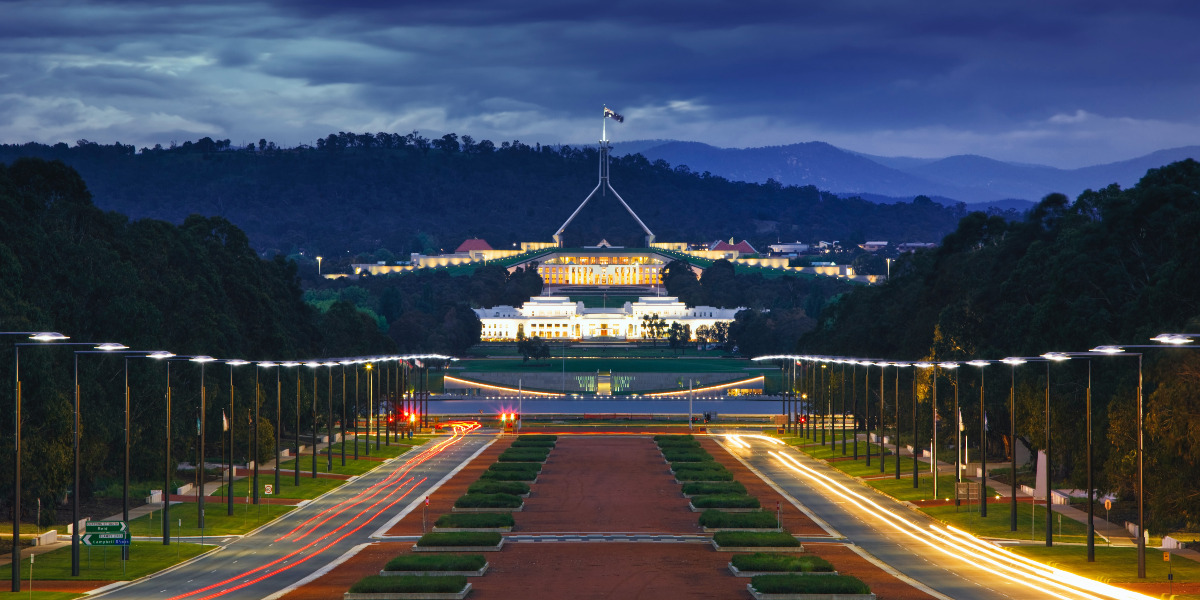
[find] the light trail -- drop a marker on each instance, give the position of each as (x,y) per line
(460,430)
(966,548)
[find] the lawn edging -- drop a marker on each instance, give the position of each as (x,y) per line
(730,510)
(495,548)
(478,573)
(484,509)
(761,596)
(738,573)
(720,548)
(472,529)
(410,595)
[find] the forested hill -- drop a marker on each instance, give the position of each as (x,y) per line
(359,193)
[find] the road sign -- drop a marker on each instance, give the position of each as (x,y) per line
(105,527)
(1108,504)
(1166,557)
(268,489)
(105,539)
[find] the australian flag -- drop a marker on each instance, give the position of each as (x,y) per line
(610,113)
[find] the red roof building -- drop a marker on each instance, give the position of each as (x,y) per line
(472,245)
(742,247)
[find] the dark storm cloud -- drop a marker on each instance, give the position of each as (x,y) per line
(1025,80)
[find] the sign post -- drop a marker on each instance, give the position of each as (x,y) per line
(105,533)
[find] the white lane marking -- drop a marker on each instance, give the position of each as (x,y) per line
(897,574)
(381,533)
(319,572)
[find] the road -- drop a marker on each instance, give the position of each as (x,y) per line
(293,547)
(949,564)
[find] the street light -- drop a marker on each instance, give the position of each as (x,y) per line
(266,364)
(203,360)
(314,366)
(1050,357)
(896,396)
(1013,361)
(957,432)
(319,266)
(982,364)
(237,362)
(296,464)
(329,421)
(882,396)
(344,363)
(1167,338)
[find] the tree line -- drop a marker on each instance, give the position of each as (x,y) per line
(1114,266)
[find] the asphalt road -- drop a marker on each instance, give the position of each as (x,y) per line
(952,566)
(309,538)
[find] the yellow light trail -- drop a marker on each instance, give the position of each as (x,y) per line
(964,547)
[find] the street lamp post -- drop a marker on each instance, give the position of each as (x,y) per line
(278,426)
(916,466)
(329,420)
(229,486)
(867,406)
(1013,361)
(842,384)
(854,401)
(343,423)
(957,433)
(982,364)
(896,397)
(296,434)
(1050,357)
(313,411)
(203,360)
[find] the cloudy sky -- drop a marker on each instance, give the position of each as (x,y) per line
(1060,82)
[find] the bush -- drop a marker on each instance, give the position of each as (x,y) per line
(516,466)
(488,501)
(770,561)
(687,456)
(533,444)
(475,520)
(753,538)
(679,445)
(668,437)
(438,584)
(725,501)
(721,476)
(799,584)
(509,475)
(437,562)
(460,538)
(537,437)
(751,520)
(698,466)
(516,488)
(705,488)
(524,455)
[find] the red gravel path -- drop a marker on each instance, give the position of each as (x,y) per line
(794,521)
(442,500)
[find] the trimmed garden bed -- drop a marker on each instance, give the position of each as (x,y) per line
(800,587)
(717,520)
(708,488)
(493,521)
(746,541)
(484,486)
(526,476)
(376,587)
(465,565)
(524,455)
(459,542)
(536,467)
(725,502)
(770,563)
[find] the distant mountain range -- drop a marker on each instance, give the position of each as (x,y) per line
(964,178)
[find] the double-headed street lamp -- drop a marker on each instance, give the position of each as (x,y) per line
(982,364)
(934,418)
(232,415)
(266,364)
(1013,361)
(296,447)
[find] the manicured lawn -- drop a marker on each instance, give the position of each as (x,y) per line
(309,488)
(36,595)
(246,517)
(104,562)
(1113,565)
(902,488)
(996,524)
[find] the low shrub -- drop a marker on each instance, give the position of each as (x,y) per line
(754,539)
(488,501)
(475,520)
(698,466)
(799,584)
(508,475)
(460,538)
(706,488)
(674,456)
(722,476)
(771,561)
(437,562)
(537,437)
(679,445)
(750,520)
(516,466)
(516,488)
(673,436)
(533,444)
(438,584)
(524,455)
(725,501)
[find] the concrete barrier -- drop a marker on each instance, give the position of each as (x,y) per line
(46,538)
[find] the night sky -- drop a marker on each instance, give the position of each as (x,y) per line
(1066,83)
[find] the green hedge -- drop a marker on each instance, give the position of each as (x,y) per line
(721,476)
(800,584)
(475,520)
(698,466)
(725,501)
(753,538)
(772,561)
(679,445)
(438,584)
(516,466)
(750,520)
(524,455)
(537,437)
(460,538)
(516,488)
(673,436)
(488,501)
(437,562)
(533,444)
(722,487)
(687,456)
(508,475)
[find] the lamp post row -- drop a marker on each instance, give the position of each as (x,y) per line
(1179,340)
(58,339)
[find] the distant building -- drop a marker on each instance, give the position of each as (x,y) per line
(792,248)
(873,246)
(914,246)
(556,317)
(742,247)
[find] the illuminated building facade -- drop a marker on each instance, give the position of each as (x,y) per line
(558,318)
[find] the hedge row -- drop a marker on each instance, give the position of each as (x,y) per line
(516,466)
(771,561)
(704,488)
(537,437)
(721,476)
(519,443)
(524,455)
(438,584)
(437,562)
(508,475)
(460,538)
(488,501)
(749,520)
(754,539)
(725,501)
(673,455)
(800,584)
(483,486)
(698,466)
(475,520)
